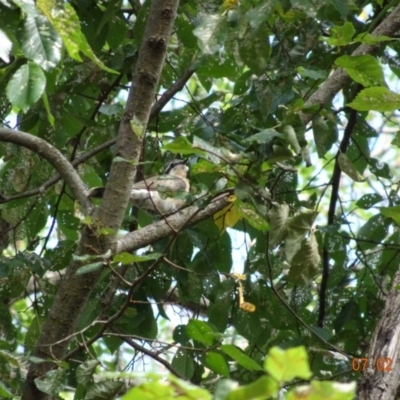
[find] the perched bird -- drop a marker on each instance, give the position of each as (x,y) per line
(163,194)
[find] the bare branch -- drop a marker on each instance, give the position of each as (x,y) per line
(170,92)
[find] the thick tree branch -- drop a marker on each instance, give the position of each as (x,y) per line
(55,158)
(381,382)
(159,230)
(75,289)
(336,81)
(137,111)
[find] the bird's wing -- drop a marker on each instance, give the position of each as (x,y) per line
(162,183)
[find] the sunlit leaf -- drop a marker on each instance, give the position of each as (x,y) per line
(363,69)
(66,22)
(285,365)
(376,98)
(211,33)
(41,43)
(26,86)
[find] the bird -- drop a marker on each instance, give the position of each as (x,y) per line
(163,194)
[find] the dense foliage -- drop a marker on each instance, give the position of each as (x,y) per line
(246,94)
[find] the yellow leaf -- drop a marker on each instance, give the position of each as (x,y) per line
(227,4)
(227,217)
(249,307)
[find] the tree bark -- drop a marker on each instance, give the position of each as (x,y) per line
(75,290)
(381,377)
(336,81)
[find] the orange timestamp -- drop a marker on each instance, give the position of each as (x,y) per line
(381,364)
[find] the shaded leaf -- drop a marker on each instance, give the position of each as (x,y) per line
(368,200)
(278,218)
(304,264)
(53,381)
(324,135)
(183,362)
(348,167)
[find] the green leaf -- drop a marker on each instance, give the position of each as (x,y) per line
(285,365)
(379,168)
(4,392)
(363,69)
(211,33)
(46,104)
(241,358)
(263,388)
(396,139)
(85,371)
(325,135)
(183,362)
(291,137)
(368,200)
(391,212)
(5,47)
(66,22)
(217,363)
(53,381)
(346,313)
(373,231)
(278,218)
(348,168)
(304,264)
(200,331)
(254,49)
(127,258)
(88,268)
(263,137)
(323,390)
(376,98)
(341,35)
(182,146)
(154,390)
(26,86)
(367,38)
(40,42)
(298,227)
(103,390)
(252,217)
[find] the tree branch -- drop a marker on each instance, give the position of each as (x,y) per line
(335,182)
(161,229)
(170,92)
(55,158)
(339,78)
(75,290)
